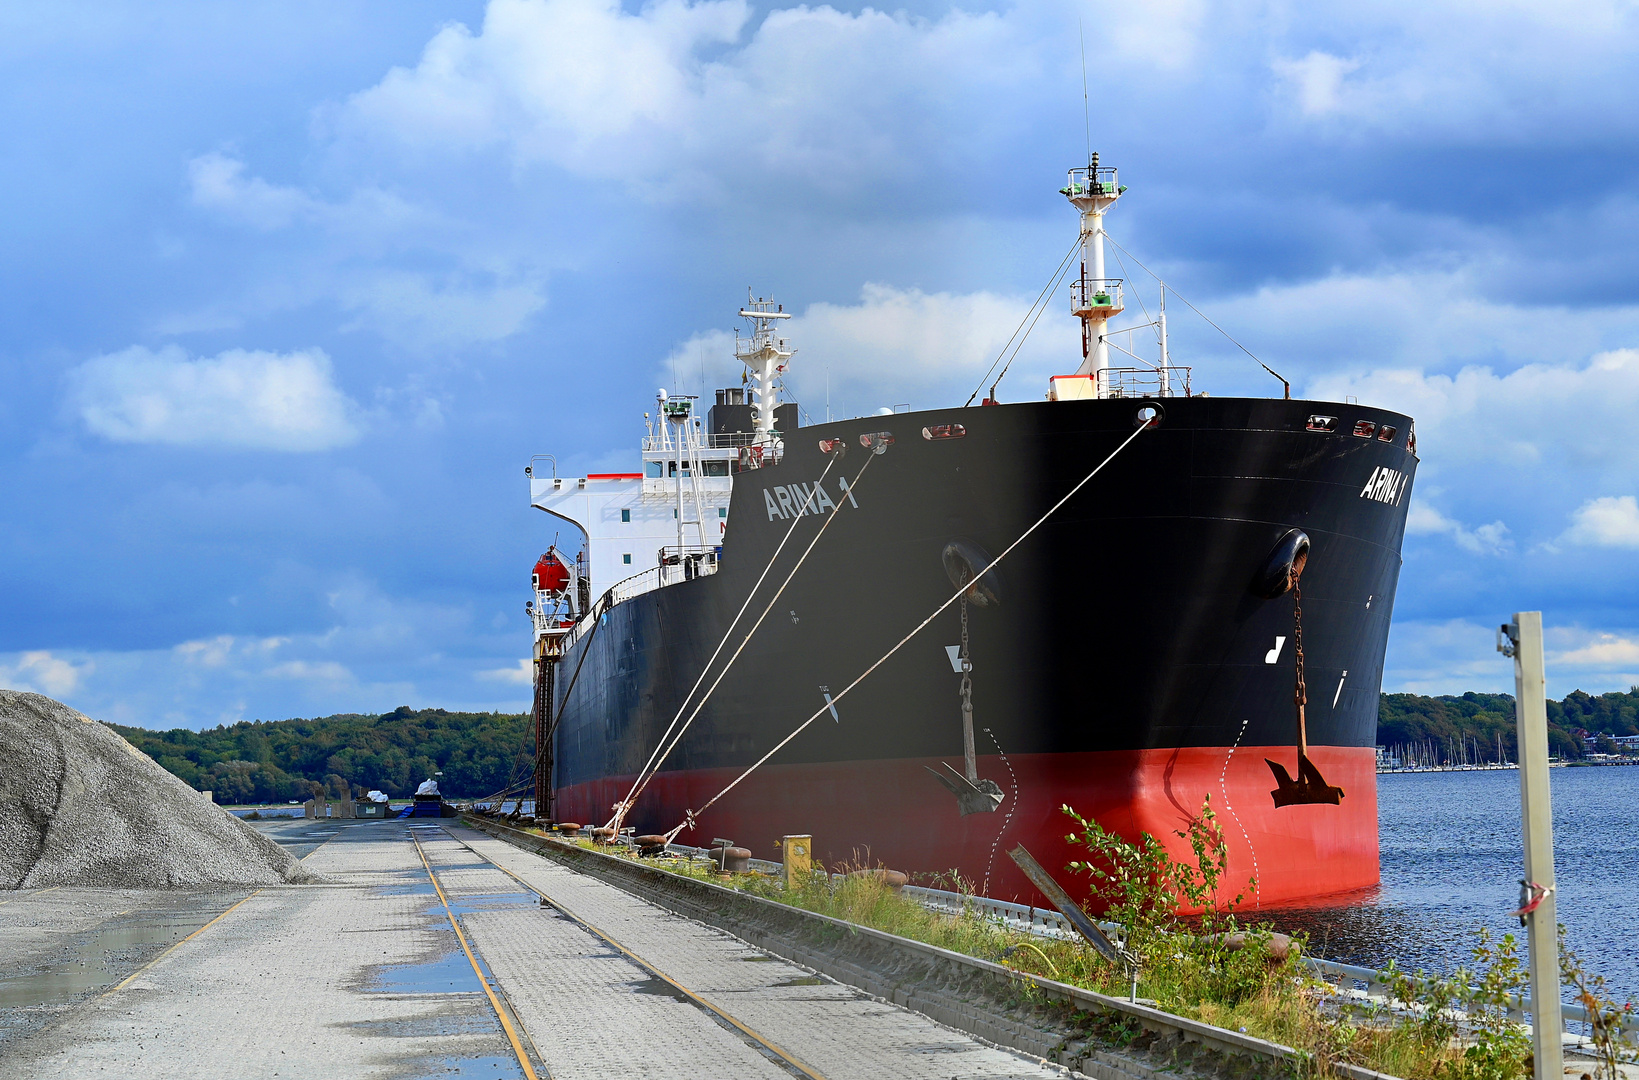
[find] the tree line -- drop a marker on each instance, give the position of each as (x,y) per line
(259,761)
(482,753)
(1443,723)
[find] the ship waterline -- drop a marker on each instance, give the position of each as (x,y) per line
(1125,662)
(891,813)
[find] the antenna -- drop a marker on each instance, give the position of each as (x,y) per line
(1086,106)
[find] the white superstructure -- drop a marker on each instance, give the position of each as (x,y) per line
(1095,299)
(646,529)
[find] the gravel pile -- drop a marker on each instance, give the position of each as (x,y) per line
(81,806)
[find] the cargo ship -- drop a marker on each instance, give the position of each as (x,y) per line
(917,637)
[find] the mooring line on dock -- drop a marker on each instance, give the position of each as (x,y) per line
(784,1056)
(500,1013)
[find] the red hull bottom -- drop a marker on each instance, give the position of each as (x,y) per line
(894,813)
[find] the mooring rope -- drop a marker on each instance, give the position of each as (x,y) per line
(795,520)
(638,787)
(690,815)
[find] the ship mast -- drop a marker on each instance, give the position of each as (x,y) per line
(765,355)
(1094,298)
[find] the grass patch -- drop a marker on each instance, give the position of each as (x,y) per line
(1209,966)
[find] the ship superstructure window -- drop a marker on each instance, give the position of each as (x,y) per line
(1386,432)
(627,559)
(1364,429)
(715,468)
(1322,423)
(671,469)
(722,511)
(654,469)
(625,515)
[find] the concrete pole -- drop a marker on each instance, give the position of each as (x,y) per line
(1537,820)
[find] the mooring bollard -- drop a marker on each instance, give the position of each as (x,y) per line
(797,852)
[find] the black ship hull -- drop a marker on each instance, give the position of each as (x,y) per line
(1128,666)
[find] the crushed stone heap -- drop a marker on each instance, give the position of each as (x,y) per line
(81,806)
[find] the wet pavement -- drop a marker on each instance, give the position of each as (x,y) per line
(367,975)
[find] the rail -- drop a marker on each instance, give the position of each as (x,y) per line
(1144,382)
(1088,295)
(708,441)
(693,561)
(1098,180)
(978,996)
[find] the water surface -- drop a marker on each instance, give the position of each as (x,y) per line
(1451,856)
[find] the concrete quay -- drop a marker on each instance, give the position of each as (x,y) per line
(368,976)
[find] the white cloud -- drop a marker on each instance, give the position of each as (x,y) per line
(1599,651)
(523,674)
(1577,414)
(253,400)
(419,309)
(1608,521)
(1457,655)
(216,652)
(321,671)
(44,673)
(672,102)
(1522,74)
(1489,539)
(901,345)
(218,183)
(1317,80)
(1445,656)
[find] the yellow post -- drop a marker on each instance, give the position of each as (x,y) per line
(798,856)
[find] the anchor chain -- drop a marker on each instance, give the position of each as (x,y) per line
(1300,693)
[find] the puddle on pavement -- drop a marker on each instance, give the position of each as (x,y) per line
(461,905)
(495,1067)
(801,980)
(659,988)
(758,959)
(428,1027)
(449,974)
(93,961)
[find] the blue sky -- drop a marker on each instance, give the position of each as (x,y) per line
(289,295)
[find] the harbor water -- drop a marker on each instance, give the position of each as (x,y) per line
(1451,861)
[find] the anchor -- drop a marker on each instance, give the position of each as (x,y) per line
(1309,787)
(964,562)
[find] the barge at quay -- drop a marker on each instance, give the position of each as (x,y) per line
(1203,615)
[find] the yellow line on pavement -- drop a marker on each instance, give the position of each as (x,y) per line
(169,949)
(784,1055)
(32,892)
(512,1036)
